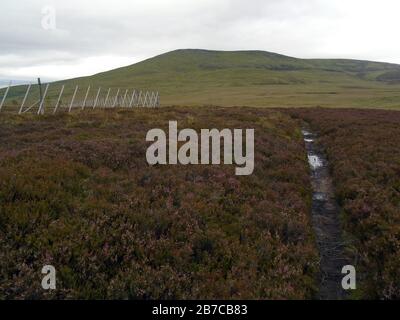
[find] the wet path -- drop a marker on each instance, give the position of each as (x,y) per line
(326,223)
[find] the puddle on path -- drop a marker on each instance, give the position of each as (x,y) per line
(314,161)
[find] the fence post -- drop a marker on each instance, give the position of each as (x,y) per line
(25,97)
(153,101)
(73,98)
(97,98)
(40,89)
(133,96)
(5,95)
(106,100)
(145,99)
(150,99)
(59,99)
(86,96)
(115,99)
(158,100)
(41,106)
(139,99)
(148,104)
(123,100)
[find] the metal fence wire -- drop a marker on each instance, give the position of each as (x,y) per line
(82,98)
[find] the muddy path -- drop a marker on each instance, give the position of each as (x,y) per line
(326,222)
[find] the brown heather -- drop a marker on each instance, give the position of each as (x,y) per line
(76,192)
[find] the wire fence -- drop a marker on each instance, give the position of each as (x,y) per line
(35,100)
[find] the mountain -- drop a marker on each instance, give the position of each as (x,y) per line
(254,78)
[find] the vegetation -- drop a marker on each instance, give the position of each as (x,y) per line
(363,150)
(76,192)
(252,78)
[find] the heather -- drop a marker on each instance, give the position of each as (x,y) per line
(76,192)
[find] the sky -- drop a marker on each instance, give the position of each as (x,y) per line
(65,39)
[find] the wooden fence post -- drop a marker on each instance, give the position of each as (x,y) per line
(5,95)
(115,99)
(86,96)
(59,99)
(25,97)
(41,106)
(123,100)
(106,100)
(97,98)
(133,97)
(73,98)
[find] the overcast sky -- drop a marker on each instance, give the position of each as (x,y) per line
(63,39)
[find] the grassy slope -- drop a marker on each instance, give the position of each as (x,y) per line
(254,78)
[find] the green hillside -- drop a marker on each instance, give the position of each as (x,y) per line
(253,78)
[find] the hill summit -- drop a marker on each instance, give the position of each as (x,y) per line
(255,78)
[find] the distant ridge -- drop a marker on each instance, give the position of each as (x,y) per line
(200,77)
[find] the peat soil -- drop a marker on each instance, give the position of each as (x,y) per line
(326,222)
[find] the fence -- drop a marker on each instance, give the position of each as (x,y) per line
(80,99)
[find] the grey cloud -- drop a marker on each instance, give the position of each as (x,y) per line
(144,28)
